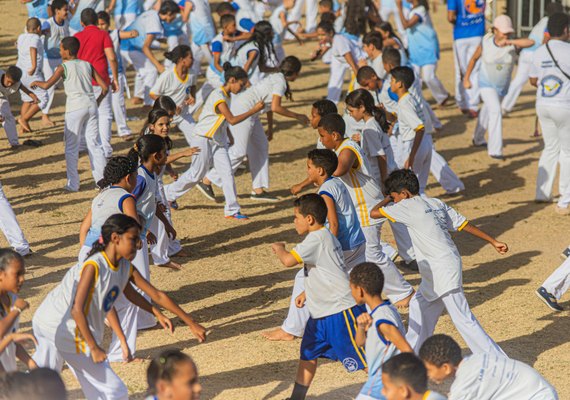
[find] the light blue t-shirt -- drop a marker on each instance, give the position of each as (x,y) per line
(470,18)
(201,23)
(123,7)
(537,34)
(38,9)
(148,23)
(423,44)
(75,23)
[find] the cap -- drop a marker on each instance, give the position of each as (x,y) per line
(503,24)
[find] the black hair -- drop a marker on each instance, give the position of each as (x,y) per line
(387,27)
(325,159)
(58,5)
(392,56)
(374,38)
(325,107)
(405,75)
(369,277)
(179,52)
(32,24)
(554,7)
(314,205)
(37,384)
(362,98)
(326,26)
(333,123)
(262,37)
(116,169)
(165,367)
(169,7)
(236,72)
(326,3)
(14,72)
(71,44)
(557,23)
(290,66)
(7,256)
(409,369)
(146,146)
(402,179)
(365,73)
(440,349)
(165,103)
(88,17)
(153,116)
(225,7)
(104,15)
(227,19)
(424,3)
(358,13)
(328,18)
(116,223)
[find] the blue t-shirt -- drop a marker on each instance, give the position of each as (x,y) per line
(123,7)
(38,9)
(470,18)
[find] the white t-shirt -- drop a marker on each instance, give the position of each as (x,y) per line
(278,28)
(378,66)
(211,124)
(493,377)
(342,45)
(25,42)
(7,91)
(429,221)
(178,89)
(52,39)
(77,84)
(146,194)
(107,203)
(326,280)
(375,142)
(497,65)
(411,117)
(553,86)
(273,84)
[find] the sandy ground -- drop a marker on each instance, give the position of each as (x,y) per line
(235,286)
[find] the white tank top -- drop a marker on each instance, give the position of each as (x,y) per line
(107,203)
(77,84)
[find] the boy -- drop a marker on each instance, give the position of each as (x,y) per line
(429,221)
(482,376)
(280,26)
(555,286)
(382,330)
(333,312)
(245,17)
(404,377)
(372,45)
(343,223)
(30,61)
(80,111)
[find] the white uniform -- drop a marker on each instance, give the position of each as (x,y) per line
(311,13)
(118,97)
(429,222)
(59,338)
(241,57)
(376,143)
(52,58)
(10,227)
(81,121)
(494,377)
(9,122)
(558,282)
(279,31)
(552,102)
(497,65)
(8,356)
(342,44)
(211,137)
(203,30)
(25,42)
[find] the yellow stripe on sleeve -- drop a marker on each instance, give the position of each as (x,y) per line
(420,127)
(216,104)
(385,214)
(463,225)
(297,256)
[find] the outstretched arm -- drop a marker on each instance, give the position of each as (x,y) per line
(501,247)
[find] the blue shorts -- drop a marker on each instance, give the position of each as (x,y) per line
(332,337)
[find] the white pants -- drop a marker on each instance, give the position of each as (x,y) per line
(466,99)
(249,140)
(443,173)
(186,125)
(9,122)
(336,80)
(124,20)
(490,119)
(105,112)
(146,74)
(424,315)
(556,133)
(40,93)
(78,124)
(521,79)
(98,381)
(427,74)
(386,12)
(559,281)
(422,161)
(119,108)
(200,53)
(164,246)
(209,152)
(311,12)
(50,64)
(10,227)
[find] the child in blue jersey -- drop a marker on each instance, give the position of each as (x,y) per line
(37,8)
(391,39)
(124,12)
(173,375)
(381,330)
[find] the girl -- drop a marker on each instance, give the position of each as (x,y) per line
(210,136)
(173,376)
(179,84)
(423,47)
(257,54)
(12,273)
(374,141)
(175,31)
(69,324)
(391,39)
(167,104)
(498,55)
(249,138)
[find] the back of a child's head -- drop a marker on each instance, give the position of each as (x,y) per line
(168,7)
(145,147)
(333,123)
(391,56)
(369,277)
(291,65)
(407,369)
(165,367)
(58,4)
(364,74)
(32,25)
(14,73)
(325,159)
(227,19)
(89,17)
(440,349)
(71,44)
(178,53)
(326,26)
(116,169)
(327,4)
(38,384)
(386,27)
(225,7)
(405,75)
(235,72)
(373,38)
(104,16)
(557,24)
(7,257)
(325,107)
(554,7)
(116,223)
(166,103)
(328,18)
(400,180)
(312,204)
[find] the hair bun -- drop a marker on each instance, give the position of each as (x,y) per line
(227,66)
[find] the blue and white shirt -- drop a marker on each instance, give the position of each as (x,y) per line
(148,23)
(124,7)
(52,39)
(38,9)
(75,23)
(423,44)
(470,18)
(201,23)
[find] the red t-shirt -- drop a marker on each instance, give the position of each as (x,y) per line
(93,42)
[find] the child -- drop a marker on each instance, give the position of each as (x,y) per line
(75,23)
(482,376)
(12,273)
(423,47)
(404,377)
(257,54)
(80,111)
(173,375)
(69,324)
(498,54)
(38,384)
(429,221)
(333,312)
(124,12)
(30,61)
(372,45)
(175,31)
(381,331)
(211,137)
(391,39)
(555,286)
(37,8)
(203,31)
(280,26)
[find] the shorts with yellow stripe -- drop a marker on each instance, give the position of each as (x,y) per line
(333,337)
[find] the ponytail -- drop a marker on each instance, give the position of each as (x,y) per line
(116,169)
(178,53)
(146,146)
(290,66)
(363,98)
(116,223)
(262,36)
(230,71)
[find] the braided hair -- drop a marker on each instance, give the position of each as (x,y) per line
(116,169)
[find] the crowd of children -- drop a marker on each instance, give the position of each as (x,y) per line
(371,166)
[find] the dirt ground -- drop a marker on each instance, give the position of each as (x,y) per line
(235,286)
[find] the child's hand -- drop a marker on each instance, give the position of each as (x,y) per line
(277,246)
(190,151)
(98,355)
(150,238)
(501,247)
(296,189)
(259,106)
(300,300)
(31,71)
(161,207)
(467,83)
(356,137)
(164,322)
(19,337)
(199,331)
(21,304)
(134,33)
(303,119)
(178,110)
(34,98)
(126,352)
(170,231)
(364,321)
(160,68)
(409,164)
(190,100)
(173,174)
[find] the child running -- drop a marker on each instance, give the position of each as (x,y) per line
(257,54)
(173,375)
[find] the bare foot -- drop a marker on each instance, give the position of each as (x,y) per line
(137,100)
(181,253)
(24,126)
(46,122)
(404,303)
(277,335)
(171,265)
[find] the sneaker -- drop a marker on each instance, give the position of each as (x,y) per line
(548,299)
(237,215)
(207,191)
(263,196)
(498,157)
(566,253)
(173,205)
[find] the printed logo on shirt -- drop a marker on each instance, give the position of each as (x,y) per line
(474,6)
(551,85)
(110,298)
(350,364)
